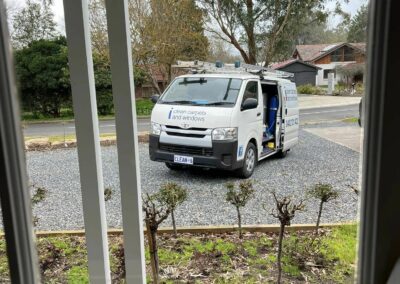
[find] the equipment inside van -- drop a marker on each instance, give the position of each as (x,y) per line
(228,117)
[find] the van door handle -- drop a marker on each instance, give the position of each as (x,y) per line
(258,114)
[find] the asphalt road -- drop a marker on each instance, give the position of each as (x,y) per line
(315,115)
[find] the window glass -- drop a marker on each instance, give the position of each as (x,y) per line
(327,71)
(336,55)
(348,54)
(251,91)
(203,91)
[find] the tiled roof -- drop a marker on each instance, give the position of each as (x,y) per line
(279,65)
(309,52)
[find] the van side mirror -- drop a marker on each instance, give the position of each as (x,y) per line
(249,103)
(154,98)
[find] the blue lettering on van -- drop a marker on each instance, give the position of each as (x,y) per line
(170,113)
(240,151)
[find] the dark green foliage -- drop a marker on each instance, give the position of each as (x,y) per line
(172,195)
(42,70)
(102,77)
(324,193)
(33,22)
(39,195)
(241,195)
(358,26)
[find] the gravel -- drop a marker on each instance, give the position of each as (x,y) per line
(313,160)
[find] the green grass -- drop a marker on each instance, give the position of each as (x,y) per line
(69,137)
(143,108)
(226,258)
(351,120)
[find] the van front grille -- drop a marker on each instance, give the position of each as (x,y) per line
(190,150)
(191,128)
(186,134)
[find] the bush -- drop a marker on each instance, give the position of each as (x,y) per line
(42,70)
(310,90)
(305,89)
(144,106)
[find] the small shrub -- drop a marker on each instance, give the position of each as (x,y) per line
(285,210)
(324,193)
(156,211)
(239,198)
(305,89)
(173,195)
(310,90)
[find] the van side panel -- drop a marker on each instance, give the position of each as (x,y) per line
(290,115)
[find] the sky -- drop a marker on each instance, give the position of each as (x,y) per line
(351,7)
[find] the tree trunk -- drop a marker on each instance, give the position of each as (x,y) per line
(319,216)
(239,222)
(152,239)
(281,233)
(173,223)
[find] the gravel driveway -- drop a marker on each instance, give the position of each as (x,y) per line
(313,160)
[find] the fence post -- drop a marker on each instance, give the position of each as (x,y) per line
(87,135)
(127,140)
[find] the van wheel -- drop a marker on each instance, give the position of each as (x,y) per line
(282,154)
(174,167)
(250,161)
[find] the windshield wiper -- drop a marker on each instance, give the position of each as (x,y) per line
(219,103)
(182,102)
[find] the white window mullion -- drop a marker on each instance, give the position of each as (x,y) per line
(127,141)
(87,133)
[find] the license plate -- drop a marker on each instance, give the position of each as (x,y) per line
(183,160)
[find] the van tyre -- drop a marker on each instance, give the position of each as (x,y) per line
(174,167)
(250,161)
(282,154)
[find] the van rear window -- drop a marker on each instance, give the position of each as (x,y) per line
(203,91)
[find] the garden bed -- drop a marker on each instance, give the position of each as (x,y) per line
(212,258)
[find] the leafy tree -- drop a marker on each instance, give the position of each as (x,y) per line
(173,195)
(33,22)
(239,198)
(167,31)
(256,28)
(358,26)
(102,77)
(324,193)
(42,68)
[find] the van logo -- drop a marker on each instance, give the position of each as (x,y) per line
(170,113)
(185,126)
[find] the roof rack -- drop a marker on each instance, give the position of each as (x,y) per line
(198,66)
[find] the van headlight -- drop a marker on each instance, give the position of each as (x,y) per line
(227,133)
(155,128)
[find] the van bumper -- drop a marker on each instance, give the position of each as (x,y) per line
(222,155)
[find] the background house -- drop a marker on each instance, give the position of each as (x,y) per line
(331,57)
(304,73)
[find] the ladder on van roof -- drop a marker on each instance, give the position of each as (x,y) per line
(198,67)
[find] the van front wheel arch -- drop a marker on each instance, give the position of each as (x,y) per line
(250,161)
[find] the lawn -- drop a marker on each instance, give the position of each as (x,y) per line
(206,258)
(143,108)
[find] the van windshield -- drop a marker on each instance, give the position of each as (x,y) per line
(203,92)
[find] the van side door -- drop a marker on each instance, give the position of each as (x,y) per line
(290,115)
(250,120)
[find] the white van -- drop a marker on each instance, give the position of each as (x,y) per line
(227,120)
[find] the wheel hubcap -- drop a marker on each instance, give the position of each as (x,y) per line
(250,159)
